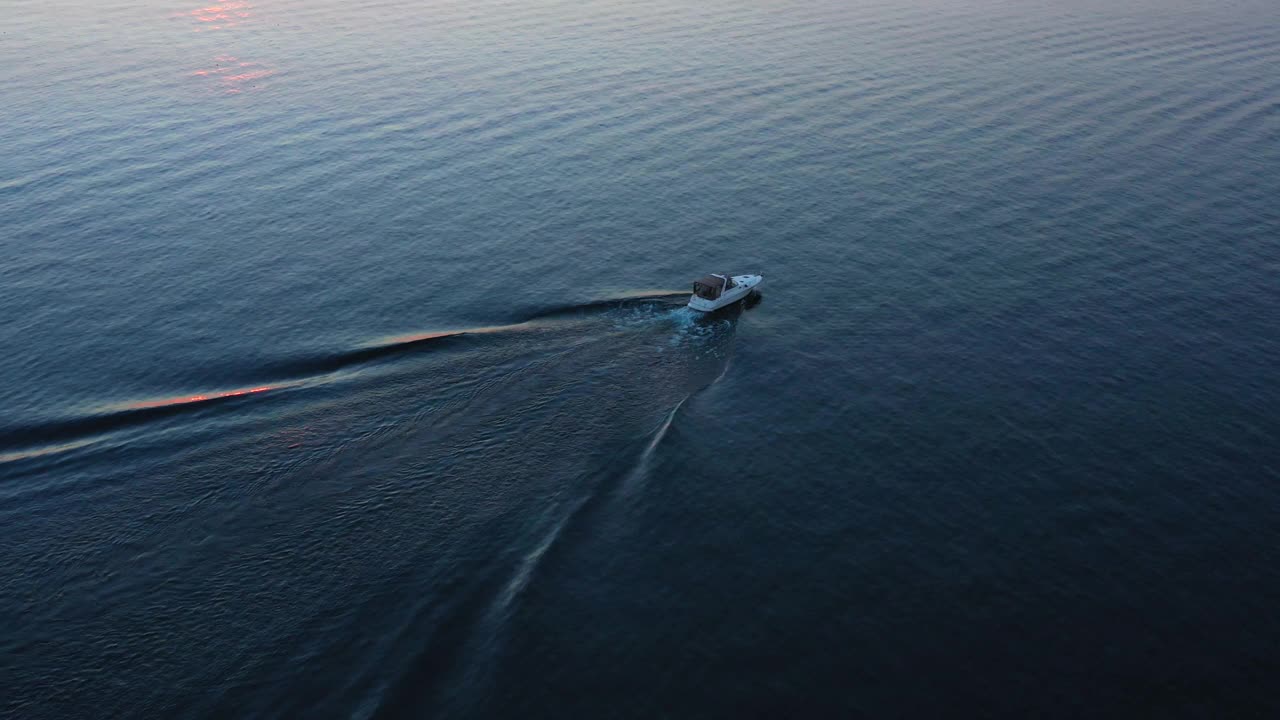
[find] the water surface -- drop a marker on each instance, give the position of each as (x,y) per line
(345,370)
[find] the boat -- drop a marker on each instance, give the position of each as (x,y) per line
(714,291)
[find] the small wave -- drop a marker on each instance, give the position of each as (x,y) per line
(401,344)
(329,362)
(62,432)
(643,463)
(524,571)
(654,298)
(39,452)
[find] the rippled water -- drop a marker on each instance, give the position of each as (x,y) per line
(346,372)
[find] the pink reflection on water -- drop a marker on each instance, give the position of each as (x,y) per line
(222,15)
(232,75)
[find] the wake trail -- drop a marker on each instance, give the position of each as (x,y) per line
(33,439)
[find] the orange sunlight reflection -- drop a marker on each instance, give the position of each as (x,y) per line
(234,75)
(169,402)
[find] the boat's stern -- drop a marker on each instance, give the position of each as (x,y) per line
(702,304)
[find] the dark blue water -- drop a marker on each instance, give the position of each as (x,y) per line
(345,371)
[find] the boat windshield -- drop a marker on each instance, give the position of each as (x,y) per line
(710,287)
(706,292)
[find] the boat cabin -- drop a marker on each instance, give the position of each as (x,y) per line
(712,286)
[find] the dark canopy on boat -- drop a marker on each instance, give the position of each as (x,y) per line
(709,286)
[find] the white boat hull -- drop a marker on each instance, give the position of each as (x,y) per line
(743,285)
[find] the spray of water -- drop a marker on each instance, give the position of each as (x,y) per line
(686,326)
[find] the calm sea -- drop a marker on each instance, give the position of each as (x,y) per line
(344,368)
